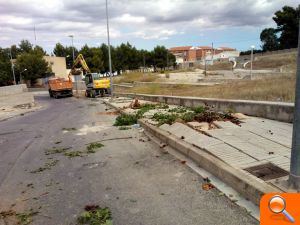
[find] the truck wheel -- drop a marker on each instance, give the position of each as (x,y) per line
(50,93)
(92,93)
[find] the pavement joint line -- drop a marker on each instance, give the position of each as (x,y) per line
(269,139)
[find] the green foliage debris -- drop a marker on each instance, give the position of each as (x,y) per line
(126,120)
(69,129)
(26,218)
(56,150)
(91,148)
(74,154)
(47,166)
(94,215)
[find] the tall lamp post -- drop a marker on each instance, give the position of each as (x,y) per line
(294,178)
(251,63)
(21,74)
(109,53)
(12,66)
(72,38)
(73,54)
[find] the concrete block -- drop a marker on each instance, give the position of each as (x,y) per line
(199,126)
(225,124)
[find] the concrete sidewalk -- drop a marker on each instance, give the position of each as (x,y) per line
(16,104)
(259,149)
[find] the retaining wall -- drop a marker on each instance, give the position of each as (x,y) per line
(13,89)
(271,110)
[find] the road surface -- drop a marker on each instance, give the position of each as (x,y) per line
(131,175)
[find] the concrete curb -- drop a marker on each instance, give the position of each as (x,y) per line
(280,111)
(250,187)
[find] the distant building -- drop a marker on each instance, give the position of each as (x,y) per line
(58,65)
(190,54)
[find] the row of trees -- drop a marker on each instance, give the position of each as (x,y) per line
(29,61)
(124,57)
(285,35)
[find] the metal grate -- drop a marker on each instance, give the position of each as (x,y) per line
(267,171)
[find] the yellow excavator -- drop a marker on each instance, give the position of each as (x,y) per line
(96,84)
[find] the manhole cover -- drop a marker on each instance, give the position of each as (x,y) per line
(267,171)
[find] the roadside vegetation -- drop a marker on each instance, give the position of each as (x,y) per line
(94,215)
(277,88)
(164,115)
(136,76)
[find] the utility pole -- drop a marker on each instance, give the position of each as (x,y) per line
(34,36)
(144,62)
(168,59)
(109,54)
(294,179)
(12,66)
(212,53)
(251,63)
(73,54)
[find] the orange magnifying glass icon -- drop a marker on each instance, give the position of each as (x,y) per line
(277,205)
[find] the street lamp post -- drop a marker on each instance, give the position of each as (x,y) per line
(72,38)
(12,66)
(294,178)
(73,54)
(21,74)
(251,63)
(109,53)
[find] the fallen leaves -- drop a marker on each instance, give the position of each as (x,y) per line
(207,186)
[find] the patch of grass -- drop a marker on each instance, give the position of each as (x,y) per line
(124,128)
(178,110)
(145,108)
(95,216)
(74,154)
(47,166)
(162,106)
(131,77)
(126,120)
(56,150)
(188,116)
(198,109)
(23,218)
(276,88)
(69,129)
(162,118)
(91,148)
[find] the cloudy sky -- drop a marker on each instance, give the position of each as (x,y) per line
(144,23)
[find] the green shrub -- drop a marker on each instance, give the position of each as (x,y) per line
(178,110)
(188,117)
(198,109)
(164,118)
(144,108)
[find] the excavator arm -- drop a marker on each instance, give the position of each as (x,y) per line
(84,67)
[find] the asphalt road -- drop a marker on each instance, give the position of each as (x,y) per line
(130,174)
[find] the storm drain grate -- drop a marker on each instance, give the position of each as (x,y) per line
(267,171)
